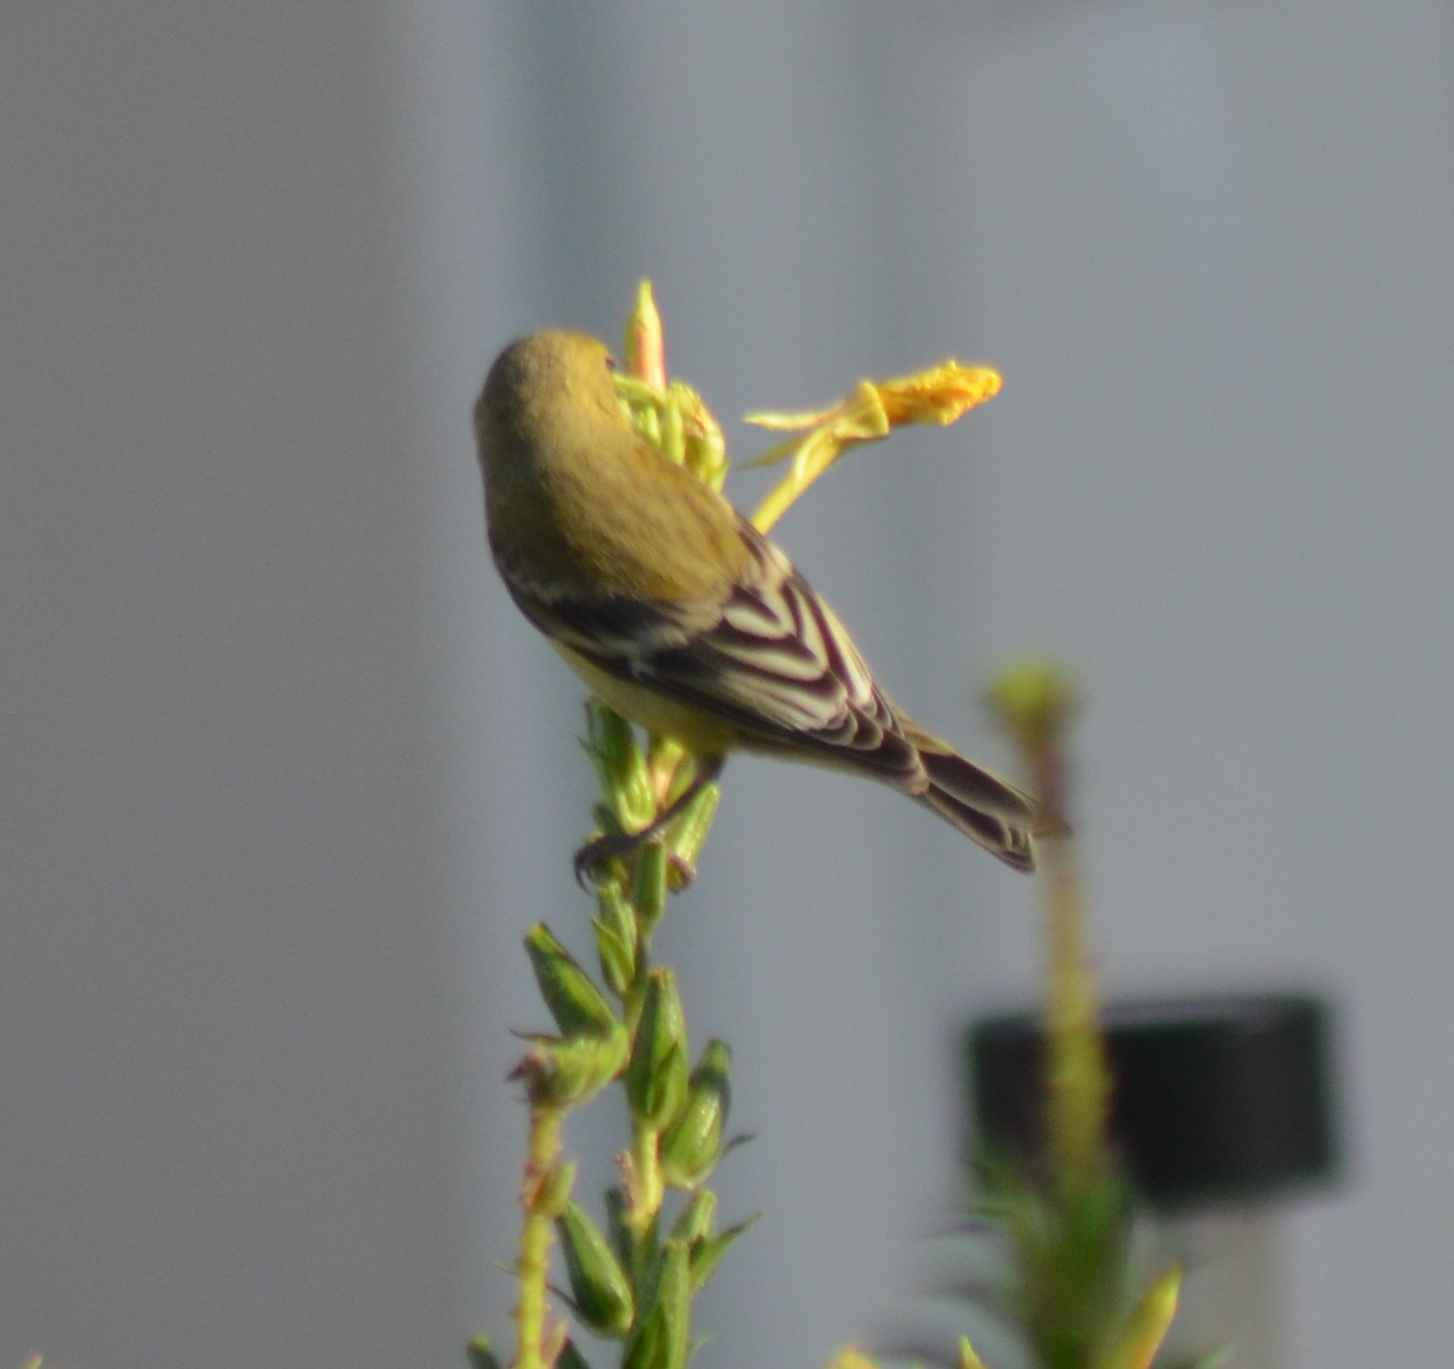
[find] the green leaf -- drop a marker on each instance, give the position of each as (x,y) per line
(571,1357)
(1140,1336)
(615,930)
(480,1355)
(620,766)
(1213,1359)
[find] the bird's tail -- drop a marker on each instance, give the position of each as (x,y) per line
(980,804)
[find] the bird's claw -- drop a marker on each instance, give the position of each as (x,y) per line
(588,861)
(593,855)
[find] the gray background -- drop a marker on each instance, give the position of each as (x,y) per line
(284,777)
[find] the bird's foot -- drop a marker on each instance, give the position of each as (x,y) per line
(594,854)
(588,861)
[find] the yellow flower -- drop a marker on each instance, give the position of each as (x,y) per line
(939,395)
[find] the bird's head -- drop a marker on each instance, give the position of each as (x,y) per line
(545,389)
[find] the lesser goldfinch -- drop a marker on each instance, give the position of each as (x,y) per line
(677,612)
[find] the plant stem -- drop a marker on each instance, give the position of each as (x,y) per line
(533,1266)
(1036,703)
(646,1191)
(1078,1082)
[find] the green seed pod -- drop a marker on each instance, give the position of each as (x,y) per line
(693,1142)
(707,1253)
(578,1006)
(656,1078)
(566,1074)
(599,1286)
(663,1339)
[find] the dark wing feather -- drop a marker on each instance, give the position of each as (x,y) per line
(772,660)
(775,662)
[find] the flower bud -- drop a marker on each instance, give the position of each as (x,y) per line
(1035,702)
(645,349)
(599,1286)
(578,1006)
(656,1078)
(693,1142)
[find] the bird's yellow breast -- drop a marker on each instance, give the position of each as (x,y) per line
(696,730)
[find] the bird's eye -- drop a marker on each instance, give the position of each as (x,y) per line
(610,362)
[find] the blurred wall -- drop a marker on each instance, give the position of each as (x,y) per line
(285,776)
(224,1135)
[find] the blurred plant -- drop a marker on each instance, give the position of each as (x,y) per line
(1065,1226)
(634,1280)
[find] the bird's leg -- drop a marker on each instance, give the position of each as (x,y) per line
(596,853)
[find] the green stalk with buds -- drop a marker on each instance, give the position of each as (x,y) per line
(1073,1291)
(634,1280)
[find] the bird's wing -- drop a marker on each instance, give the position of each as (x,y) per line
(772,660)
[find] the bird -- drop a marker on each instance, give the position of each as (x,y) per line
(679,614)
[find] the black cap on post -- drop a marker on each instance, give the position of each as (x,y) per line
(1216,1099)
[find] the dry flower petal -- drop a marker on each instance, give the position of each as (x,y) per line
(938,395)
